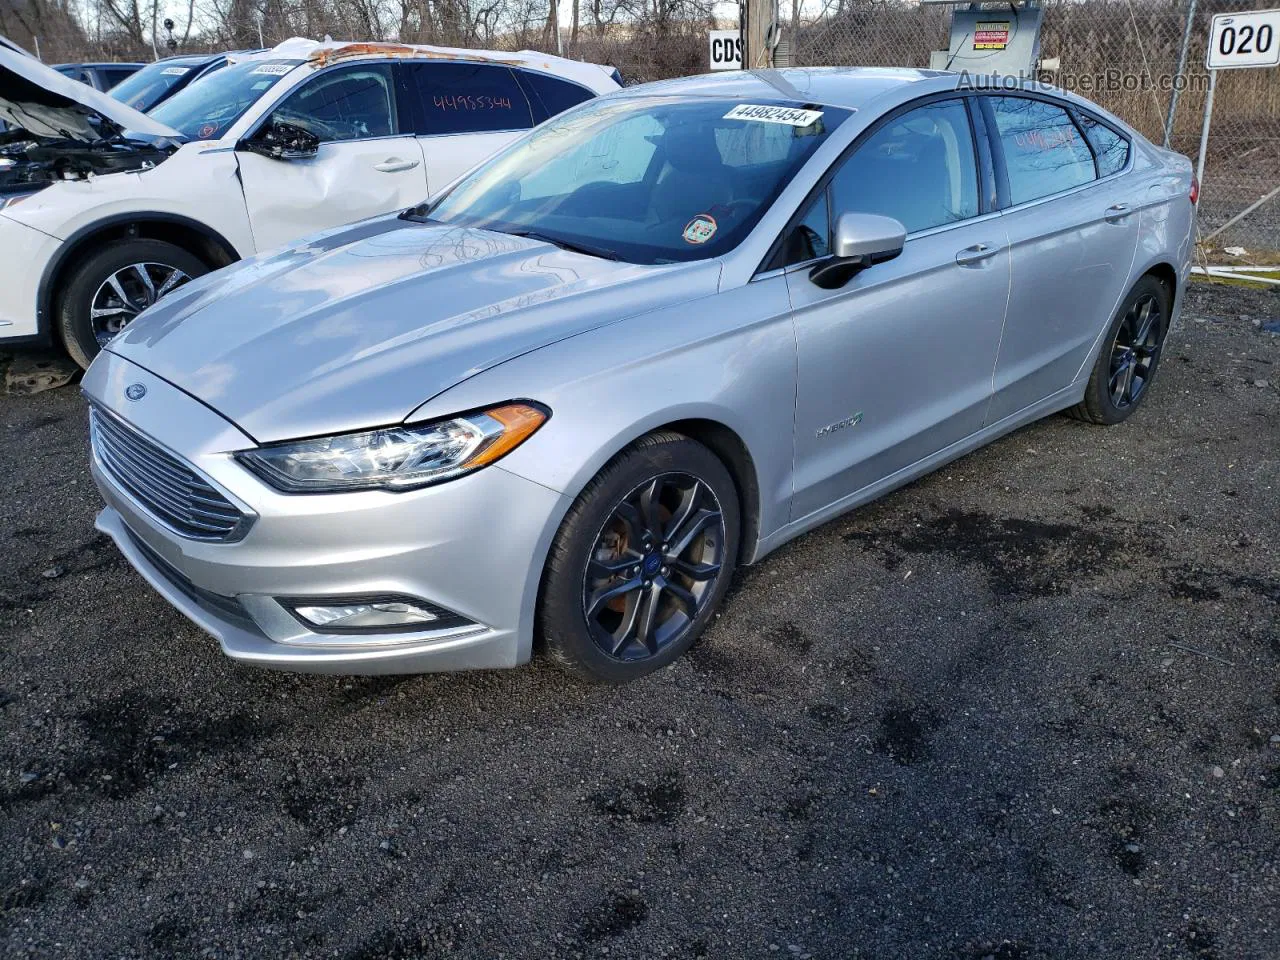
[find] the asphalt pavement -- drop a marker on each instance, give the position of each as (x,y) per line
(1027,707)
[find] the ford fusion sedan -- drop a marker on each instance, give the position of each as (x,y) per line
(556,407)
(103,209)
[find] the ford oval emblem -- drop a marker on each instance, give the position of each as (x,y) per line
(135,391)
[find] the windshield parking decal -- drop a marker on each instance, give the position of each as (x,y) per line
(764,113)
(700,229)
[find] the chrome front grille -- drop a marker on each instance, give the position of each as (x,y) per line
(170,490)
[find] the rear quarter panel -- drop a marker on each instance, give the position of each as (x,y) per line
(1160,188)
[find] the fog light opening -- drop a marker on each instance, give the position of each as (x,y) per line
(380,614)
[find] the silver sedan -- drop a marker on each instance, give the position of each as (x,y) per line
(647,344)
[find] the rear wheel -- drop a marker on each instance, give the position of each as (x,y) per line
(1122,374)
(111,286)
(641,561)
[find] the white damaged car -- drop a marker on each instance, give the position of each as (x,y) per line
(103,209)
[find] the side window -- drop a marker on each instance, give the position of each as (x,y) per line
(811,237)
(1043,151)
(1111,149)
(469,98)
(354,103)
(549,95)
(918,168)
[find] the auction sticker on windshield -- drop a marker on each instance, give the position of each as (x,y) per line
(175,71)
(700,229)
(764,113)
(275,69)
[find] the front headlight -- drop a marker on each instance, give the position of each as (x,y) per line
(397,458)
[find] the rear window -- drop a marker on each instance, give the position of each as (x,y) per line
(111,76)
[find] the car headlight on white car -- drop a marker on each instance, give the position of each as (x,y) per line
(402,457)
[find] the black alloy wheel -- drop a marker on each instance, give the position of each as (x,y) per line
(655,559)
(1126,364)
(641,561)
(1134,351)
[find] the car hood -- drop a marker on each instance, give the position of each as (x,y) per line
(357,328)
(45,103)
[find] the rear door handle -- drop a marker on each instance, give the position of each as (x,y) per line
(977,253)
(1117,212)
(394,165)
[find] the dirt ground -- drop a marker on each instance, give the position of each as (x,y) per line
(1028,707)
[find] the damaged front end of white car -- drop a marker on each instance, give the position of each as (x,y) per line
(56,128)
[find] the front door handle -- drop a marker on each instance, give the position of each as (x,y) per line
(1117,212)
(979,252)
(394,165)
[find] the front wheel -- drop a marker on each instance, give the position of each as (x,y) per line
(1127,363)
(641,561)
(111,286)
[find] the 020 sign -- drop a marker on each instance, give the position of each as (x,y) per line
(1244,40)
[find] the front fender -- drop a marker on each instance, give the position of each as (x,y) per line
(729,359)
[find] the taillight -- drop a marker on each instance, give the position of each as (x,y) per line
(1195,191)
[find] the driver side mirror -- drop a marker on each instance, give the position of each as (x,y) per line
(283,141)
(861,239)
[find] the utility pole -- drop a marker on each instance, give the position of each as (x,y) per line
(758,27)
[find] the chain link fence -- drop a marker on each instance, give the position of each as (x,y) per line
(1122,54)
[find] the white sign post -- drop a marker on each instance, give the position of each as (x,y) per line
(726,50)
(1237,41)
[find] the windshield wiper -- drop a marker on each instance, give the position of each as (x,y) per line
(604,253)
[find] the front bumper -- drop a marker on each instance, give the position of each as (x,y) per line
(474,546)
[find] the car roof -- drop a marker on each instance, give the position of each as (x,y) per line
(315,53)
(94,64)
(849,87)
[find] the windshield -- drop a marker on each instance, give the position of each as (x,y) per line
(645,179)
(204,110)
(144,89)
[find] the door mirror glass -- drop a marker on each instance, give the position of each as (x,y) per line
(280,140)
(858,241)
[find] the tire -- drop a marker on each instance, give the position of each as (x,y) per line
(82,333)
(1130,344)
(601,580)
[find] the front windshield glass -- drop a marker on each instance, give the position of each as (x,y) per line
(644,179)
(204,110)
(144,89)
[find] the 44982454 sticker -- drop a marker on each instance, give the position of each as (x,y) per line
(700,229)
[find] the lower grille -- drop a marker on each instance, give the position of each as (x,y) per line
(223,607)
(170,490)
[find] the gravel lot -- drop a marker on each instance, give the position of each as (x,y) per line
(1028,707)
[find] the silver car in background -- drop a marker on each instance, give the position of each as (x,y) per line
(648,343)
